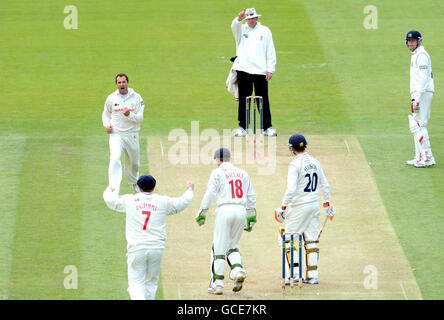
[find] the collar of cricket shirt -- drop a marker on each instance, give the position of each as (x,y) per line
(416,50)
(224,165)
(300,154)
(130,92)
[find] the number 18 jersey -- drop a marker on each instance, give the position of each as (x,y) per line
(305,178)
(231,185)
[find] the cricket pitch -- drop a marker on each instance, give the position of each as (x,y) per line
(360,256)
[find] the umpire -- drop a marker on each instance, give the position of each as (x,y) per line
(255,65)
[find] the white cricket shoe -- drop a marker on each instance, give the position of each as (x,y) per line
(411,162)
(217,290)
(312,281)
(239,280)
(419,164)
(240,132)
(270,132)
(429,163)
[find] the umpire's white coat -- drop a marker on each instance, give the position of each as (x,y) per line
(254,48)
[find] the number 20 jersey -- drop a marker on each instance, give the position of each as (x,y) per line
(305,178)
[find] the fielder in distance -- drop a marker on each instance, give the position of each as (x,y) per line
(422,88)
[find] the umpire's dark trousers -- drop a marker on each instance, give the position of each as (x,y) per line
(245,82)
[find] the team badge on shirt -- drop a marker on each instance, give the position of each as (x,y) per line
(245,35)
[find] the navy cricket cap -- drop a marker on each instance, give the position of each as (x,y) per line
(297,141)
(146,183)
(223,154)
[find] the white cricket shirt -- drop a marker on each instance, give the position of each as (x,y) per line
(254,48)
(421,76)
(305,178)
(230,185)
(146,216)
(113,115)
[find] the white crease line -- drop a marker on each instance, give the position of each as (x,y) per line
(161,149)
(403,291)
(346,144)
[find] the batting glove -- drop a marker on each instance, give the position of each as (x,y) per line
(279,214)
(251,220)
(414,105)
(330,211)
(201,216)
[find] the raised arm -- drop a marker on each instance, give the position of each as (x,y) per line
(113,200)
(236,26)
(180,203)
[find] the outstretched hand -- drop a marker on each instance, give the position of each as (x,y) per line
(241,16)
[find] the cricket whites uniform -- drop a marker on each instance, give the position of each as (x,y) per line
(235,194)
(125,135)
(305,178)
(256,56)
(421,89)
(145,234)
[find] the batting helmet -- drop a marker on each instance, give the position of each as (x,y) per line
(297,141)
(413,34)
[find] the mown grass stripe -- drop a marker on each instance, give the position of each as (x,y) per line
(47,218)
(10,165)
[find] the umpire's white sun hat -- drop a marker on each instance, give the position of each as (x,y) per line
(251,13)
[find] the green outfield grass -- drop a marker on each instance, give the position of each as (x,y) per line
(333,77)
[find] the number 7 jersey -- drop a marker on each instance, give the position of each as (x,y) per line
(230,185)
(305,178)
(146,216)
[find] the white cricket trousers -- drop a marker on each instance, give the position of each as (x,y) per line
(305,218)
(423,149)
(228,227)
(128,142)
(423,116)
(143,273)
